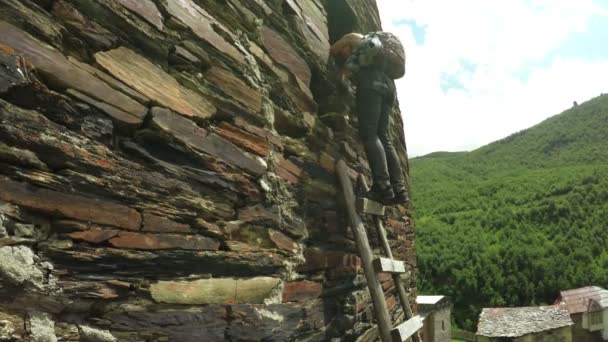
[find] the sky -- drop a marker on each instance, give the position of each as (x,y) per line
(480,70)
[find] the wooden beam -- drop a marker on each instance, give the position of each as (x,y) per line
(407,329)
(367,206)
(365,253)
(403,298)
(389,265)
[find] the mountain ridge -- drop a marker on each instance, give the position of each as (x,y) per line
(515,221)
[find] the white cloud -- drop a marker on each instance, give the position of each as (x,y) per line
(502,39)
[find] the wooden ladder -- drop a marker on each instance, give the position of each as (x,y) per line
(372,266)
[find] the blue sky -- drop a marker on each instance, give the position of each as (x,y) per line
(591,43)
(418,31)
(476,76)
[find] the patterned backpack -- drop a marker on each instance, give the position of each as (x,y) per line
(380,49)
(391,58)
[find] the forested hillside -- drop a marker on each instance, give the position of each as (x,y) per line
(514,222)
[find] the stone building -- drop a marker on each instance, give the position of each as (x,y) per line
(588,307)
(525,324)
(167,172)
(437,313)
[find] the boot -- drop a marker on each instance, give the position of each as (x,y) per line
(383,196)
(401,196)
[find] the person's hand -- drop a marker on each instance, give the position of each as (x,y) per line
(344,74)
(343,77)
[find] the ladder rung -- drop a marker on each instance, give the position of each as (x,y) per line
(367,206)
(407,329)
(385,265)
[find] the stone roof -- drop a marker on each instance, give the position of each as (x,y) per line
(430,304)
(578,300)
(514,322)
(429,300)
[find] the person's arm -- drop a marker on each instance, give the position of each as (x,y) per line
(371,46)
(352,63)
(342,52)
(364,54)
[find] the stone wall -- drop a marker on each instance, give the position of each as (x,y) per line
(554,335)
(437,325)
(167,172)
(579,333)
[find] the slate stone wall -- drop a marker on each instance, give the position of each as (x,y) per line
(167,172)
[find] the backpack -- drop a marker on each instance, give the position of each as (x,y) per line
(392,58)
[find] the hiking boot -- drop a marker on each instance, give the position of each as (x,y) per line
(383,196)
(401,196)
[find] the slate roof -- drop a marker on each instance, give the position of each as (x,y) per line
(514,322)
(429,300)
(577,300)
(429,304)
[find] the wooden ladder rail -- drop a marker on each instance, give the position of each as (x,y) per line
(372,266)
(403,297)
(365,253)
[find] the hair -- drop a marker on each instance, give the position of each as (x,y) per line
(349,40)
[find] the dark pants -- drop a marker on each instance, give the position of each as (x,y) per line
(375,99)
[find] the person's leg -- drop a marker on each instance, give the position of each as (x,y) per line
(369,108)
(392,159)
